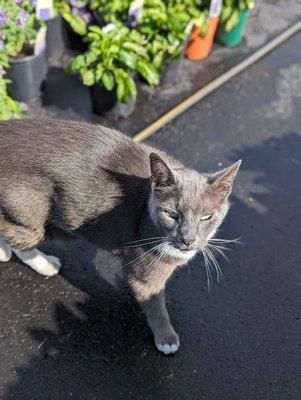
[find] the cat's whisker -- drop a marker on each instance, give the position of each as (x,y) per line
(143,240)
(142,256)
(217,240)
(219,250)
(220,247)
(143,244)
(208,273)
(215,263)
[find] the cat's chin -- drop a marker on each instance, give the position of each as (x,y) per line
(172,251)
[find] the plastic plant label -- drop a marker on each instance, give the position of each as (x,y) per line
(44,9)
(109,27)
(135,13)
(40,42)
(215,8)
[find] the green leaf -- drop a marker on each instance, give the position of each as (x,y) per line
(131,87)
(136,48)
(98,73)
(148,72)
(96,29)
(129,59)
(88,78)
(120,90)
(108,80)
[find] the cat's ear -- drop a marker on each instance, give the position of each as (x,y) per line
(161,174)
(222,181)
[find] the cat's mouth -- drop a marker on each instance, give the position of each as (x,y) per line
(182,248)
(176,252)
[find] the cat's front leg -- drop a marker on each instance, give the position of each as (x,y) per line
(153,304)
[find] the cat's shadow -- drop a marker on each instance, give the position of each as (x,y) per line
(105,332)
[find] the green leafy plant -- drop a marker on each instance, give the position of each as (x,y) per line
(112,58)
(163,23)
(167,25)
(9,108)
(112,10)
(75,13)
(231,10)
(18,27)
(18,30)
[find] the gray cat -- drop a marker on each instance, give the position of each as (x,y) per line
(63,177)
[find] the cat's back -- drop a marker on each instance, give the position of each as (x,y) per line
(68,145)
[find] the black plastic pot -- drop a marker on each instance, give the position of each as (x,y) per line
(55,42)
(105,103)
(26,75)
(171,73)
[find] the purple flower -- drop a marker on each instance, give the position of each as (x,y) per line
(23,18)
(1,45)
(75,11)
(87,17)
(77,3)
(3,18)
(83,13)
(34,2)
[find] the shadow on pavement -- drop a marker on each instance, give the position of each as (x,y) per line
(241,342)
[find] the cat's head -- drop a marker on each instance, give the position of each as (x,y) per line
(188,207)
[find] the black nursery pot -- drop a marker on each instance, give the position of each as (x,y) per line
(55,42)
(105,103)
(171,73)
(26,75)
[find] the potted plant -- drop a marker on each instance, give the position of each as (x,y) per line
(114,54)
(234,16)
(9,108)
(77,17)
(23,42)
(163,24)
(203,31)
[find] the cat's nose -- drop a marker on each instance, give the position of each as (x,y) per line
(187,240)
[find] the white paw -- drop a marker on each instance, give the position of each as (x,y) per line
(5,251)
(52,267)
(170,348)
(40,262)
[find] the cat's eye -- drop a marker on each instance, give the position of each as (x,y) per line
(172,214)
(206,217)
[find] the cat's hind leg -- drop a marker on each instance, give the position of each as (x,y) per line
(23,241)
(24,210)
(5,250)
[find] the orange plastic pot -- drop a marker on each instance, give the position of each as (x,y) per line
(200,47)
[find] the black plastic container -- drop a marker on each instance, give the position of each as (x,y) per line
(55,42)
(26,75)
(171,72)
(105,103)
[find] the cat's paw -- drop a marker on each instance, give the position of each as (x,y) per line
(52,267)
(168,345)
(5,251)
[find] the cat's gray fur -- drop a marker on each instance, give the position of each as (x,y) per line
(82,179)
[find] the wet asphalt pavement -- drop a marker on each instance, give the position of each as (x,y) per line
(80,335)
